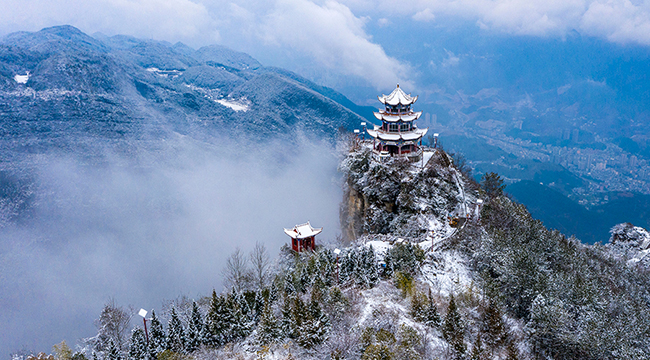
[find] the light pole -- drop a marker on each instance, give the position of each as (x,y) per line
(337,252)
(435,140)
(363,134)
(143,313)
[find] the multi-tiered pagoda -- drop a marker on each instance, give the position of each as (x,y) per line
(398,135)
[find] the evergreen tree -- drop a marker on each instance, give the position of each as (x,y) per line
(112,353)
(217,321)
(268,330)
(478,353)
(158,342)
(492,184)
(432,318)
(194,330)
(175,334)
(512,352)
(286,324)
(311,326)
(452,329)
(289,286)
(419,307)
(238,325)
(318,288)
(369,266)
(138,348)
(493,327)
(205,335)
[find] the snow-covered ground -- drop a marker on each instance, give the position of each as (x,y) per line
(21,79)
(237,105)
(241,104)
(165,73)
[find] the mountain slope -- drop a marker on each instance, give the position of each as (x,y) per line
(124,88)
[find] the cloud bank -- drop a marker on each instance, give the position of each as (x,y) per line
(327,34)
(620,21)
(154,230)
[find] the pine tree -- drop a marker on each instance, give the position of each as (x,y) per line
(194,330)
(113,353)
(287,321)
(289,286)
(305,278)
(311,326)
(492,184)
(238,326)
(478,353)
(419,307)
(217,321)
(205,334)
(432,318)
(175,334)
(372,272)
(493,327)
(452,329)
(512,352)
(268,330)
(158,342)
(138,348)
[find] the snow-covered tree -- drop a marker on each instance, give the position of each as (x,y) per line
(453,330)
(493,327)
(158,341)
(431,317)
(260,265)
(194,329)
(112,353)
(138,346)
(268,329)
(175,333)
(112,325)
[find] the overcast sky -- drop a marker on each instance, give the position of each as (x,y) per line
(330,36)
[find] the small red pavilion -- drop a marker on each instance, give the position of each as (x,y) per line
(302,236)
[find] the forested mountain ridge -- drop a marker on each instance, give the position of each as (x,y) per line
(412,286)
(60,88)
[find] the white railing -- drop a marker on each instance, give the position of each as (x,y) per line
(411,156)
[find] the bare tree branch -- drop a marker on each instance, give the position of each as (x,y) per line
(261,264)
(236,275)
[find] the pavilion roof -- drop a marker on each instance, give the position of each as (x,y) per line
(303,231)
(397,97)
(415,134)
(382,115)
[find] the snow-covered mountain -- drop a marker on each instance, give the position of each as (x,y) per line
(411,283)
(62,88)
(425,270)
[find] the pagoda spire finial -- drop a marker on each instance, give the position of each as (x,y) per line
(398,85)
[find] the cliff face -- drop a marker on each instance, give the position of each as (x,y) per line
(353,210)
(399,197)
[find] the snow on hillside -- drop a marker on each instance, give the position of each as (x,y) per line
(237,105)
(21,79)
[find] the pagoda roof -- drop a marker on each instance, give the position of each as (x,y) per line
(302,231)
(397,97)
(392,136)
(382,115)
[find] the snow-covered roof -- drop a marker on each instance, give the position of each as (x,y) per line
(397,97)
(382,115)
(302,231)
(406,136)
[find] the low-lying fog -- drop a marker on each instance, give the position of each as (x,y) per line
(146,230)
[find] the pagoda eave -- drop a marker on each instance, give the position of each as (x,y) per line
(411,116)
